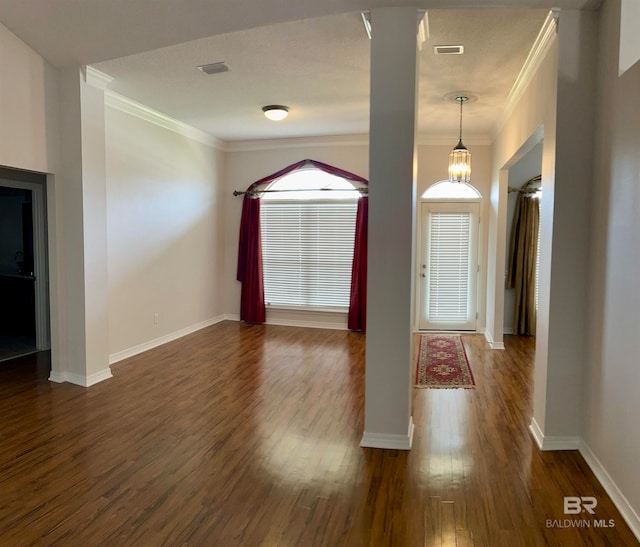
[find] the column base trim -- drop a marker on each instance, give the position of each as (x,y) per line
(492,344)
(78,379)
(389,442)
(549,443)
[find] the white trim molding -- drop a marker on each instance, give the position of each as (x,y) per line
(549,443)
(611,488)
(492,344)
(96,78)
(343,140)
(627,511)
(289,322)
(296,142)
(546,37)
(449,140)
(306,324)
(146,346)
(134,108)
(78,379)
(389,442)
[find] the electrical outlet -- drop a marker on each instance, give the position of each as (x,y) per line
(155,318)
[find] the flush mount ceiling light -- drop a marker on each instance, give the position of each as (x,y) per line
(460,157)
(276,112)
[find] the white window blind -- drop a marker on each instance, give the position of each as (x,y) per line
(449,256)
(307,251)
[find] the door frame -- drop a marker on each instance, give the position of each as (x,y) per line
(419,244)
(40,258)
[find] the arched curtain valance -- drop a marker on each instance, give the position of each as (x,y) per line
(255,188)
(250,270)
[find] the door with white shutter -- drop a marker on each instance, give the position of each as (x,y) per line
(448,270)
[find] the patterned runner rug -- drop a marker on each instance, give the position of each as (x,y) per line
(442,362)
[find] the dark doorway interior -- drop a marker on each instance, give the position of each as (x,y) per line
(17,279)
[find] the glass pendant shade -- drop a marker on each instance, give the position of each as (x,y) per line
(460,164)
(460,157)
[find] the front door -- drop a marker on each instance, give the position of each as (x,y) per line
(448,271)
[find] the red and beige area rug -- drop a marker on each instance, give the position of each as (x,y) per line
(442,362)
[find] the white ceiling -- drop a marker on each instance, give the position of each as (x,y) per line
(320,69)
(310,55)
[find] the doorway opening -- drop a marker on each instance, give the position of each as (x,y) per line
(523,244)
(24,315)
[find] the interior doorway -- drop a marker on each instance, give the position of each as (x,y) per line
(524,183)
(24,315)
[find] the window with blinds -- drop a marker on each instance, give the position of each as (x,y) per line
(307,250)
(449,257)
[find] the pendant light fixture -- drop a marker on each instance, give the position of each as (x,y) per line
(460,157)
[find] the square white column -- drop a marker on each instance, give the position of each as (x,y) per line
(392,201)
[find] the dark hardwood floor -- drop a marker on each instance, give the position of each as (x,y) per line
(248,435)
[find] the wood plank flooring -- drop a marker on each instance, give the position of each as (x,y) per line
(244,435)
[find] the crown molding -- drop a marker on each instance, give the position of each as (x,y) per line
(343,140)
(545,39)
(449,140)
(96,78)
(134,108)
(296,142)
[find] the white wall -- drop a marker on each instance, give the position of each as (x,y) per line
(28,109)
(519,133)
(611,402)
(165,231)
(560,98)
(252,161)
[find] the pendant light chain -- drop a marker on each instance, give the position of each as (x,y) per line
(461,99)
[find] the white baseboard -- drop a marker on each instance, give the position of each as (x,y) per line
(537,433)
(283,322)
(492,344)
(390,442)
(547,442)
(146,346)
(616,495)
(507,330)
(307,324)
(78,379)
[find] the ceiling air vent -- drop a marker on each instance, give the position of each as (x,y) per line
(448,50)
(214,68)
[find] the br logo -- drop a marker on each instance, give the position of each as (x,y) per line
(573,505)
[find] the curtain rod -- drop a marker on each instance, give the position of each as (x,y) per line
(363,191)
(526,188)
